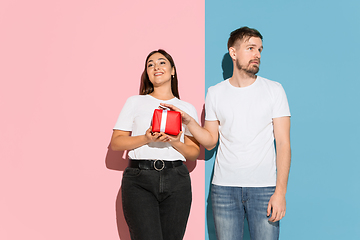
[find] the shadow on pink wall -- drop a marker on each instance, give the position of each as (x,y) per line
(118,161)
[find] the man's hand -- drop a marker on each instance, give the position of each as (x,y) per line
(276,207)
(186,118)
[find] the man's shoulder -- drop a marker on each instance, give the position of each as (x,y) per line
(219,86)
(268,82)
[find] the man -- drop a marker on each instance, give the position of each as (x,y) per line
(249,112)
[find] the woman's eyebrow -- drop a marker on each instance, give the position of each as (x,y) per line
(157,60)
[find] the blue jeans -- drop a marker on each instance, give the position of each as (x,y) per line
(156,204)
(232,204)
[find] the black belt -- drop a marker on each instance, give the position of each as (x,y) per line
(157,165)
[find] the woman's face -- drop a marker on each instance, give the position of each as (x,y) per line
(159,69)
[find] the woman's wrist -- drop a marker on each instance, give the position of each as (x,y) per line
(146,139)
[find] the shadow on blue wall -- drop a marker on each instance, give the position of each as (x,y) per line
(227,67)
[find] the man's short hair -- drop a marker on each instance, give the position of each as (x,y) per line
(241,33)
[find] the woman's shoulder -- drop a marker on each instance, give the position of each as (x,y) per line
(137,98)
(185,106)
(182,102)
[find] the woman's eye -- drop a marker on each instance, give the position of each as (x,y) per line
(150,65)
(162,62)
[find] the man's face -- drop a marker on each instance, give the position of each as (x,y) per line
(247,54)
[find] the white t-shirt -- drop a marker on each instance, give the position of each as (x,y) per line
(246,153)
(136,116)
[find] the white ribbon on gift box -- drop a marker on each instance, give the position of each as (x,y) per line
(163,121)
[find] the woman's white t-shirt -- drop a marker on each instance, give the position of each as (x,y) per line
(136,117)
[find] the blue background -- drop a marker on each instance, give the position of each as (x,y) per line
(312,49)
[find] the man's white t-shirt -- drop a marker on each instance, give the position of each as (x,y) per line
(136,116)
(246,153)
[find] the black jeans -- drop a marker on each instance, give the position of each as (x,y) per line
(156,204)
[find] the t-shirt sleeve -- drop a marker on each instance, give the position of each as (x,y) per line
(281,105)
(125,119)
(210,114)
(193,113)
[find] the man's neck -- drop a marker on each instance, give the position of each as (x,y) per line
(242,79)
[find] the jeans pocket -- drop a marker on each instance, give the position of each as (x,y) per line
(182,170)
(132,172)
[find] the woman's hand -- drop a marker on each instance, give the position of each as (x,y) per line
(173,139)
(160,136)
(186,118)
(153,136)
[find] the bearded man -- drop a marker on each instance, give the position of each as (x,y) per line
(248,112)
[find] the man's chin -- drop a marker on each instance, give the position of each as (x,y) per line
(253,70)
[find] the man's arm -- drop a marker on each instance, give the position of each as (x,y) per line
(206,136)
(277,202)
(190,149)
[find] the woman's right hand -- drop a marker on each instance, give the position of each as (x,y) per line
(155,136)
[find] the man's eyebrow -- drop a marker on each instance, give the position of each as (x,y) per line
(254,45)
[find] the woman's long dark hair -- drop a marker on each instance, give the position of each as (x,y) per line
(147,87)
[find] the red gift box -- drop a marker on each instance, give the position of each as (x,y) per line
(166,121)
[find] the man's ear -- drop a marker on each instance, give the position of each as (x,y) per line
(232,53)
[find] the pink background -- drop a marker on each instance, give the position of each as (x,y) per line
(66,69)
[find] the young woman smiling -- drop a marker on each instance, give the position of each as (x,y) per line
(156,187)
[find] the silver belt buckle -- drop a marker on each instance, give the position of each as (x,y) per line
(163,165)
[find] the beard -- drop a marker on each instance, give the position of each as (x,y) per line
(250,69)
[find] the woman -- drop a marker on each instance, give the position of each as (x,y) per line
(156,188)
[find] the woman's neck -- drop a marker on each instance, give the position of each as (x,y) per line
(162,95)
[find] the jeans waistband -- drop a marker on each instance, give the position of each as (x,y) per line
(157,165)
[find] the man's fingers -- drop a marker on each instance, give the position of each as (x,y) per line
(172,107)
(269,209)
(281,215)
(276,216)
(272,217)
(169,106)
